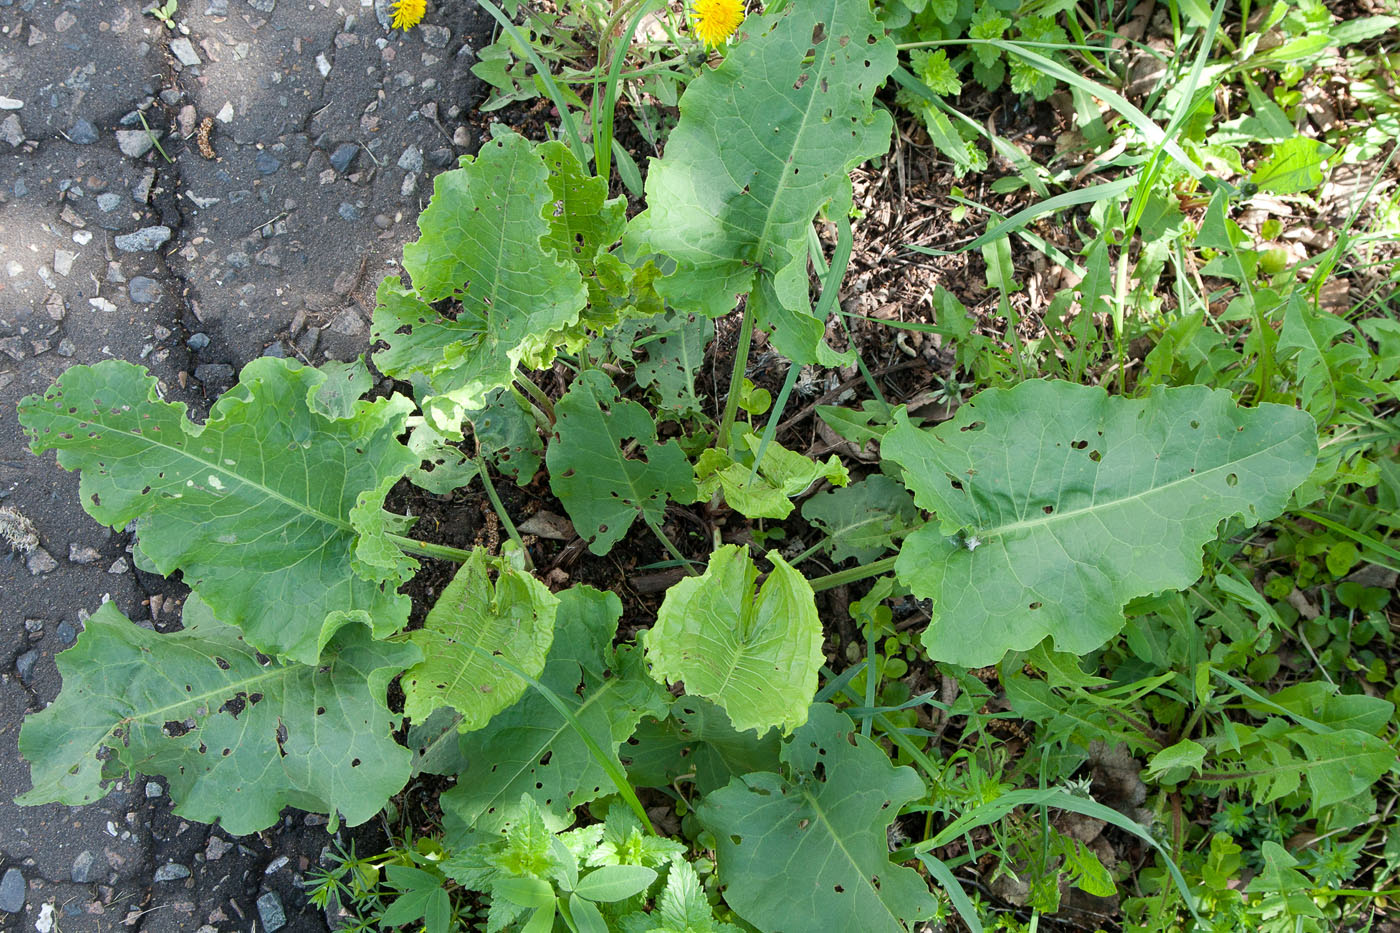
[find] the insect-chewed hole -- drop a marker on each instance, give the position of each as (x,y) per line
(1232,480)
(1036,605)
(1079,445)
(1095,456)
(1048,509)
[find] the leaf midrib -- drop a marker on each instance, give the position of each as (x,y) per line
(1032,524)
(237,477)
(813,81)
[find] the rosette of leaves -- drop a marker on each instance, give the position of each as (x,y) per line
(246,492)
(764,142)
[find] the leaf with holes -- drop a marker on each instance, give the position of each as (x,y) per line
(764,141)
(862,520)
(474,622)
(238,737)
(584,224)
(675,353)
(755,654)
(603,488)
(265,487)
(483,244)
(506,432)
(1058,503)
(531,749)
(830,815)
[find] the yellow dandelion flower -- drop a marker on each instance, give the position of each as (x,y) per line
(715,20)
(408,13)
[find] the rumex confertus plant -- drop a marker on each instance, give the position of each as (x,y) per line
(275,692)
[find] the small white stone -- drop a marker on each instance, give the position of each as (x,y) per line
(82,237)
(184,51)
(225,114)
(63,261)
(9,103)
(323,65)
(102,304)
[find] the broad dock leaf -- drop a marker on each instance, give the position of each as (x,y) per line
(1058,503)
(266,487)
(603,489)
(237,736)
(830,817)
(474,621)
(764,141)
(483,244)
(756,655)
(531,749)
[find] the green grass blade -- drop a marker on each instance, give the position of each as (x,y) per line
(566,116)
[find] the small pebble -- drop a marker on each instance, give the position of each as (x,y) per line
(108,202)
(83,555)
(119,566)
(184,52)
(143,240)
(24,665)
(349,211)
(66,635)
(41,561)
(270,912)
(82,867)
(154,790)
(82,132)
(12,889)
(197,341)
(11,131)
(343,157)
(136,143)
(267,163)
(412,159)
(144,291)
(171,871)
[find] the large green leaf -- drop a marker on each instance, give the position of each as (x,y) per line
(1058,504)
(237,736)
(756,655)
(474,622)
(603,487)
(484,244)
(823,830)
(764,141)
(531,749)
(267,489)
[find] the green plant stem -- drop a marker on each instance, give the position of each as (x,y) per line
(536,395)
(428,549)
(863,572)
(669,545)
(736,378)
(501,512)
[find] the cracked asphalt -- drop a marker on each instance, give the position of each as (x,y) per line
(295,144)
